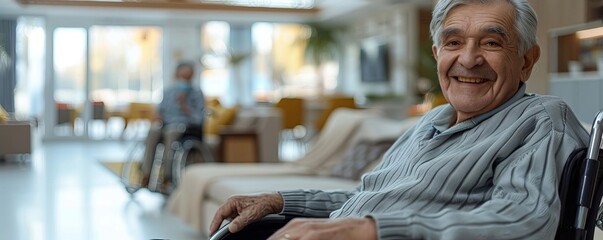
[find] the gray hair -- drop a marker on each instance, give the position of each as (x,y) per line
(525,20)
(185,64)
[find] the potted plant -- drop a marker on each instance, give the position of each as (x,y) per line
(427,68)
(321,47)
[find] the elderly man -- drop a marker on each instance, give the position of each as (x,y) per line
(181,109)
(485,166)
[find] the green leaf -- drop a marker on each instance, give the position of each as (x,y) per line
(427,66)
(321,45)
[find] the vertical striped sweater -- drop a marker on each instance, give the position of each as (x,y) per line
(494,176)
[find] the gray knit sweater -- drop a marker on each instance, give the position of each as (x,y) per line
(494,176)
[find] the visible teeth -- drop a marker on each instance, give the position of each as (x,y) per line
(471,80)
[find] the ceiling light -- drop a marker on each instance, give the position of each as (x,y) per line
(590,33)
(296,4)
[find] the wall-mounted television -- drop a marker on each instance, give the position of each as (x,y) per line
(374,63)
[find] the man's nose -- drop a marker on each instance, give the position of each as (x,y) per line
(471,56)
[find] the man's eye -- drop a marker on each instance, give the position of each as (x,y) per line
(452,43)
(492,44)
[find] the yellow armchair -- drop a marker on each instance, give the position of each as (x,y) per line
(333,103)
(3,115)
(292,110)
(139,111)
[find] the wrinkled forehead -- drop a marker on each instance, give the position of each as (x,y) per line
(487,29)
(496,18)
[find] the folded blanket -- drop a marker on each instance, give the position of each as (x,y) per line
(186,201)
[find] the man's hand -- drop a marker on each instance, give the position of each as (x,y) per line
(332,229)
(183,105)
(246,209)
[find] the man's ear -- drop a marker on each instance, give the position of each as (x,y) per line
(434,49)
(529,60)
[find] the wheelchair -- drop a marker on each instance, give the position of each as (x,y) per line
(580,192)
(188,149)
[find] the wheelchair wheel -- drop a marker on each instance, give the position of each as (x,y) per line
(131,174)
(189,152)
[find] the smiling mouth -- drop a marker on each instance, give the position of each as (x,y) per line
(471,80)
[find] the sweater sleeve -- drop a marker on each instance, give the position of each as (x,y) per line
(318,203)
(524,202)
(313,203)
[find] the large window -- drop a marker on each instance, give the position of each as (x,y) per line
(279,61)
(70,65)
(215,61)
(125,65)
(280,68)
(69,78)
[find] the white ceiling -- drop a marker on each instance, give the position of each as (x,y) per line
(335,11)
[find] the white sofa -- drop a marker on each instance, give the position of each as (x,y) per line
(204,187)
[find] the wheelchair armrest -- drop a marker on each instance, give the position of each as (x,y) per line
(599,222)
(261,229)
(222,233)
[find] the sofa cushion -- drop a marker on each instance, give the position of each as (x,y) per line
(362,156)
(221,117)
(370,130)
(225,187)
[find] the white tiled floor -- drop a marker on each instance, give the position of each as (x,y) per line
(63,193)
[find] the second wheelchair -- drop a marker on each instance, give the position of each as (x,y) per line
(188,149)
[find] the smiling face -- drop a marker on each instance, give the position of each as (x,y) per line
(479,65)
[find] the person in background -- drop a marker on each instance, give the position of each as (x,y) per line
(485,166)
(181,109)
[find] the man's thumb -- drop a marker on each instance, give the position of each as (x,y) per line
(237,224)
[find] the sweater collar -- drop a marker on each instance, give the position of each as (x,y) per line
(442,119)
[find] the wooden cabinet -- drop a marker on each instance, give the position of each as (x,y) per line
(15,137)
(238,147)
(580,44)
